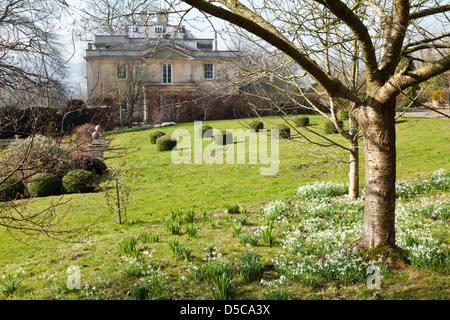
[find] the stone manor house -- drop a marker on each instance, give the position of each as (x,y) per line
(159,58)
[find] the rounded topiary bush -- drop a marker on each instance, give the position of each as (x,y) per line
(205,131)
(88,162)
(301,121)
(165,143)
(43,185)
(328,126)
(224,137)
(284,131)
(79,181)
(256,125)
(155,135)
(11,189)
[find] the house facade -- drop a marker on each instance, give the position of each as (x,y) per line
(157,58)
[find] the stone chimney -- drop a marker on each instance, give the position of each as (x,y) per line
(214,44)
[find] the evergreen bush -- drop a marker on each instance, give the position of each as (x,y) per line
(256,125)
(43,185)
(224,137)
(79,181)
(165,143)
(88,162)
(205,131)
(302,121)
(284,131)
(329,127)
(11,189)
(155,135)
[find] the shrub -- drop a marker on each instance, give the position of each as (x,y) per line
(11,188)
(88,162)
(40,152)
(165,143)
(44,184)
(438,95)
(301,121)
(284,131)
(79,181)
(251,268)
(224,137)
(205,131)
(256,125)
(342,115)
(155,135)
(329,127)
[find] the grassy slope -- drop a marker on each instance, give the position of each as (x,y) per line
(422,149)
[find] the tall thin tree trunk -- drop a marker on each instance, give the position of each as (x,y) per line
(380,154)
(353,174)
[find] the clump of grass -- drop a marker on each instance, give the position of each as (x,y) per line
(129,246)
(242,220)
(178,250)
(232,208)
(140,291)
(216,223)
(248,239)
(173,227)
(275,289)
(251,268)
(191,230)
(175,214)
(267,234)
(189,216)
(10,283)
(147,237)
(275,210)
(224,288)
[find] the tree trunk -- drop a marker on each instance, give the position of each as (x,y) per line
(353,174)
(380,157)
(353,189)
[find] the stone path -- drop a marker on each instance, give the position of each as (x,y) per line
(426,113)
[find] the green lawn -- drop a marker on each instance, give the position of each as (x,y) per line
(162,187)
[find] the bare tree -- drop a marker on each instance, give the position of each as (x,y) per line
(109,15)
(274,77)
(399,26)
(128,88)
(31,68)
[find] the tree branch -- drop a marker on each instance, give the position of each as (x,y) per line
(248,20)
(429,12)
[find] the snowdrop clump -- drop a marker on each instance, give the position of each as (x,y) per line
(319,190)
(275,210)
